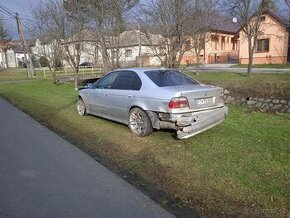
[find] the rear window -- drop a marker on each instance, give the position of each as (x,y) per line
(163,78)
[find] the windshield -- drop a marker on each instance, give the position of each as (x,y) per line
(163,78)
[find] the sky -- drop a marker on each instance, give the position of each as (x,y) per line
(23,7)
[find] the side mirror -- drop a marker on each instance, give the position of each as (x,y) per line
(90,85)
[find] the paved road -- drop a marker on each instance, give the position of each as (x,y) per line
(42,175)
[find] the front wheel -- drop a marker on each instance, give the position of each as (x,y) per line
(81,107)
(139,122)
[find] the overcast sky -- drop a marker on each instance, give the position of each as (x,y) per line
(23,7)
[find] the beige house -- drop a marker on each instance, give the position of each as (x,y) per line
(272,46)
(221,44)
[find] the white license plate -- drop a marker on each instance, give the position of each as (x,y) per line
(204,101)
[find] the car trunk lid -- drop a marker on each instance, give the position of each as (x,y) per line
(202,96)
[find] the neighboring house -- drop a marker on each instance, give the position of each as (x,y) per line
(14,55)
(221,44)
(89,48)
(134,46)
(272,46)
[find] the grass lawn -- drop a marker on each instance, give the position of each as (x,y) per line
(13,74)
(239,168)
(280,66)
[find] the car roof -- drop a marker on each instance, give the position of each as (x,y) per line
(141,69)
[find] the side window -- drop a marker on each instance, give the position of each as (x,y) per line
(127,80)
(107,82)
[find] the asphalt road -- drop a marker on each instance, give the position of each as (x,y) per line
(42,175)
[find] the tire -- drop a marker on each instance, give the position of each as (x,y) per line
(139,122)
(81,107)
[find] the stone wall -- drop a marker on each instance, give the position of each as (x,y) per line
(264,104)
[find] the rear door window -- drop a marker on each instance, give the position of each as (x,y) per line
(127,80)
(163,78)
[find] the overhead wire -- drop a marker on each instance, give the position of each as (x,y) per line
(6,11)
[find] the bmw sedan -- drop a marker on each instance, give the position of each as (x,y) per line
(147,99)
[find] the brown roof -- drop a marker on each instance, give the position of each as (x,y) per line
(224,24)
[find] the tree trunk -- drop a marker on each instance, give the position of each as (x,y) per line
(251,53)
(53,77)
(105,55)
(76,80)
(197,63)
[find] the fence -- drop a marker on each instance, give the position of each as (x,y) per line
(68,72)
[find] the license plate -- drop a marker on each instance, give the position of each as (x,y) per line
(204,101)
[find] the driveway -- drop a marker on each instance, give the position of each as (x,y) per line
(42,175)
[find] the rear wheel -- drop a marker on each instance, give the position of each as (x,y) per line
(81,107)
(139,122)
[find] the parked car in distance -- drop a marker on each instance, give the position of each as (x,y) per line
(87,65)
(147,99)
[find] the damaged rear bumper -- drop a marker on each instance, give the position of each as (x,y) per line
(203,121)
(190,124)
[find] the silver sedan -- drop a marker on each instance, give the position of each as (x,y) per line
(147,99)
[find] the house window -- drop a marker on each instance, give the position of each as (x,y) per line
(114,54)
(263,18)
(262,45)
(187,45)
(162,50)
(128,53)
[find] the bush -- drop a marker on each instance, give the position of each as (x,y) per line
(43,61)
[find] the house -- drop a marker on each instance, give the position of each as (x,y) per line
(133,46)
(13,55)
(272,45)
(221,44)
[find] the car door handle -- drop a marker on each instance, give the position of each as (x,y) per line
(129,96)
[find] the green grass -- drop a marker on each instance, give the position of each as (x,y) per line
(239,168)
(280,66)
(13,74)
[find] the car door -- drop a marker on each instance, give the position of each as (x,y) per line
(124,90)
(98,95)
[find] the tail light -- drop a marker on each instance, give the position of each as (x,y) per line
(180,102)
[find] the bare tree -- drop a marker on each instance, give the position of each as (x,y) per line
(61,28)
(203,14)
(170,18)
(48,27)
(248,14)
(108,19)
(4,41)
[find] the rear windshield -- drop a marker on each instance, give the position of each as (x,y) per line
(163,78)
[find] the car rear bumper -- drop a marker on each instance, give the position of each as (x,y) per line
(202,121)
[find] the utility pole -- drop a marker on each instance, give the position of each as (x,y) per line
(26,51)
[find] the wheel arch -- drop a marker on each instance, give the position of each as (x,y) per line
(153,116)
